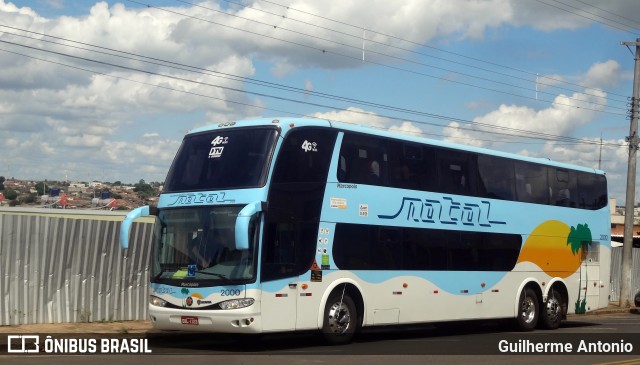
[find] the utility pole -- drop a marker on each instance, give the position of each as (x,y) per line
(625,282)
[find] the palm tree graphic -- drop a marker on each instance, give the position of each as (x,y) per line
(580,239)
(185,292)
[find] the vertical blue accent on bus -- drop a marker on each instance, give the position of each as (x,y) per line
(335,160)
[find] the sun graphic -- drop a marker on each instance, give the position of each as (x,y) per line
(556,247)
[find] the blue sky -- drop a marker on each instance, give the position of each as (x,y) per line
(86,118)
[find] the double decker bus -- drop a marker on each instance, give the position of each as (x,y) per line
(302,224)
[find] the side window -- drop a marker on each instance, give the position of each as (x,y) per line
(531,183)
(364,247)
(305,156)
(497,178)
(412,166)
(453,171)
(592,191)
(295,201)
(563,187)
(363,160)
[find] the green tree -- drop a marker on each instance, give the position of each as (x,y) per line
(29,199)
(10,194)
(43,188)
(2,182)
(143,189)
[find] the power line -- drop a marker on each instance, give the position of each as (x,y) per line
(522,133)
(530,73)
(612,13)
(587,17)
(404,49)
(326,51)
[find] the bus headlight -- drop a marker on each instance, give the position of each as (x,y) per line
(158,302)
(236,303)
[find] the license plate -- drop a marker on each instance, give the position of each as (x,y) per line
(189,320)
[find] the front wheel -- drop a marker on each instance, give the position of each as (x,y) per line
(527,318)
(340,319)
(551,313)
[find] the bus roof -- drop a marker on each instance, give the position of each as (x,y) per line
(285,124)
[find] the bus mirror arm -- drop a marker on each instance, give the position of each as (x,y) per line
(125,228)
(242,223)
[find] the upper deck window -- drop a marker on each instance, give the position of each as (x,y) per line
(222,159)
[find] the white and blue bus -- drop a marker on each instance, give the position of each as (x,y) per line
(302,224)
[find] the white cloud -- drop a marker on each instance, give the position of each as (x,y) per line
(361,117)
(51,114)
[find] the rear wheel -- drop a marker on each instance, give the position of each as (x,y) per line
(340,319)
(551,312)
(528,310)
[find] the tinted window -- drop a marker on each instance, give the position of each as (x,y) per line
(295,201)
(363,247)
(363,160)
(453,169)
(366,159)
(531,183)
(497,178)
(305,156)
(225,159)
(592,191)
(563,187)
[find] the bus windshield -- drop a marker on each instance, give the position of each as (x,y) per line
(227,159)
(198,245)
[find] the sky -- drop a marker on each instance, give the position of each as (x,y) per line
(106,90)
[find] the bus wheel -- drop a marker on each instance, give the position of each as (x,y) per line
(527,318)
(340,319)
(551,313)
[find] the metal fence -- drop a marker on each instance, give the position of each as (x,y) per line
(60,267)
(616,263)
(57,268)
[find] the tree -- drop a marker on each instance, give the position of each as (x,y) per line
(143,189)
(43,188)
(10,194)
(2,182)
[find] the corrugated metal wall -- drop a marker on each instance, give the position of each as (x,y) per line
(616,262)
(56,269)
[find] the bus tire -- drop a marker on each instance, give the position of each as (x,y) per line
(528,310)
(340,322)
(551,311)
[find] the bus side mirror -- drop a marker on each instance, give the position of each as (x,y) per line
(242,224)
(125,228)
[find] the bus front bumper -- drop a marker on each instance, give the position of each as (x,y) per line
(245,320)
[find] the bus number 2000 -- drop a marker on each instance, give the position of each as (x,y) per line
(230,292)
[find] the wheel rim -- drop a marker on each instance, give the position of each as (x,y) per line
(339,318)
(553,309)
(528,310)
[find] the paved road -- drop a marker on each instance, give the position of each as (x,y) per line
(477,342)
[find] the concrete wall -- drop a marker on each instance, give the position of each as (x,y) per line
(67,266)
